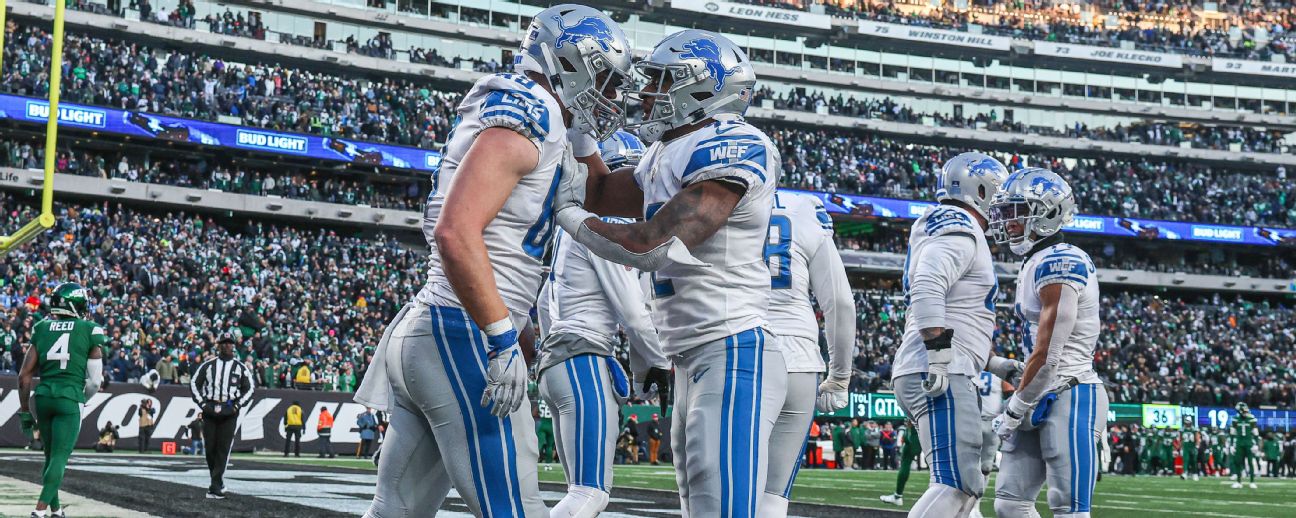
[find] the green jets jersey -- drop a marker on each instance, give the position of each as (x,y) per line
(1244,431)
(62,348)
(1188,436)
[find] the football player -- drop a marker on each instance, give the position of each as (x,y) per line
(1053,423)
(803,258)
(582,303)
(1244,444)
(991,389)
(450,369)
(950,287)
(705,187)
(66,355)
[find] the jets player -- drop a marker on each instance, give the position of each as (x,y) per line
(1052,424)
(991,389)
(804,258)
(1244,444)
(581,305)
(450,368)
(66,355)
(705,187)
(950,286)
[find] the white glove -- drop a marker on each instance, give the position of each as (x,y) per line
(506,374)
(834,395)
(571,187)
(1005,425)
(940,352)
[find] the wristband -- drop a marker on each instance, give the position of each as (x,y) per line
(1015,407)
(501,334)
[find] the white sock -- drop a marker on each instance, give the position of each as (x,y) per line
(940,500)
(1070,515)
(580,502)
(772,506)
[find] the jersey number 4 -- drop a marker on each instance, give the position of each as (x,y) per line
(59,353)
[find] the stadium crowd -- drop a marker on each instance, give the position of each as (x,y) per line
(129,75)
(1249,30)
(838,161)
(168,285)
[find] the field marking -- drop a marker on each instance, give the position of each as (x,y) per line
(20,498)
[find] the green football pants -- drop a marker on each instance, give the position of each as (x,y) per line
(59,421)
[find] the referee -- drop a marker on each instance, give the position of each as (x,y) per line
(221,386)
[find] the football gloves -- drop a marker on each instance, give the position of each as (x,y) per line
(506,374)
(28,424)
(940,352)
(833,395)
(1006,425)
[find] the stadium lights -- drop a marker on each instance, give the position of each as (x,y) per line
(45,220)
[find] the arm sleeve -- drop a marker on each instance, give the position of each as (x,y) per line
(200,377)
(941,263)
(245,386)
(1063,325)
(832,290)
(94,376)
(622,288)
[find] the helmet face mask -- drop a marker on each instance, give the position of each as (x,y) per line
(586,59)
(688,77)
(1032,205)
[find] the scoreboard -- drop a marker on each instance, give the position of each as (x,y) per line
(1218,417)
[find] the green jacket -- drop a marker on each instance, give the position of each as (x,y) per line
(1271,449)
(837,438)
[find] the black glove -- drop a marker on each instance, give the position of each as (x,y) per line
(662,379)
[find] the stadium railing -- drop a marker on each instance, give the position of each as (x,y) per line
(210,199)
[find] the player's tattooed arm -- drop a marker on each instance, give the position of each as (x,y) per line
(611,193)
(692,215)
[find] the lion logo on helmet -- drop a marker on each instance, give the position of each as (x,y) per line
(708,53)
(589,27)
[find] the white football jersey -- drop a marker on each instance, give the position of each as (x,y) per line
(589,296)
(516,239)
(990,388)
(1069,265)
(947,243)
(694,305)
(798,226)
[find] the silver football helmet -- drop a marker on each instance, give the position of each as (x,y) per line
(586,58)
(1033,204)
(971,178)
(622,149)
(692,75)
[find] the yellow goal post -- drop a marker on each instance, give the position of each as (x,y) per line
(45,220)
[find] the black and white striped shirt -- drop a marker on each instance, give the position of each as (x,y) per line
(223,381)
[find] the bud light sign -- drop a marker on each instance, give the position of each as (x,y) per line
(74,115)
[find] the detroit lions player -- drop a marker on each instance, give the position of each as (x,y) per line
(449,368)
(991,390)
(1052,425)
(580,306)
(950,286)
(705,187)
(803,257)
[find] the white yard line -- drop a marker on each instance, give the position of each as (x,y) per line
(19,499)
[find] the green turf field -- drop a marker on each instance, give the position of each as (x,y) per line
(1140,497)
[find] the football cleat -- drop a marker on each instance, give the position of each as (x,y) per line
(1253,486)
(1237,485)
(892,499)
